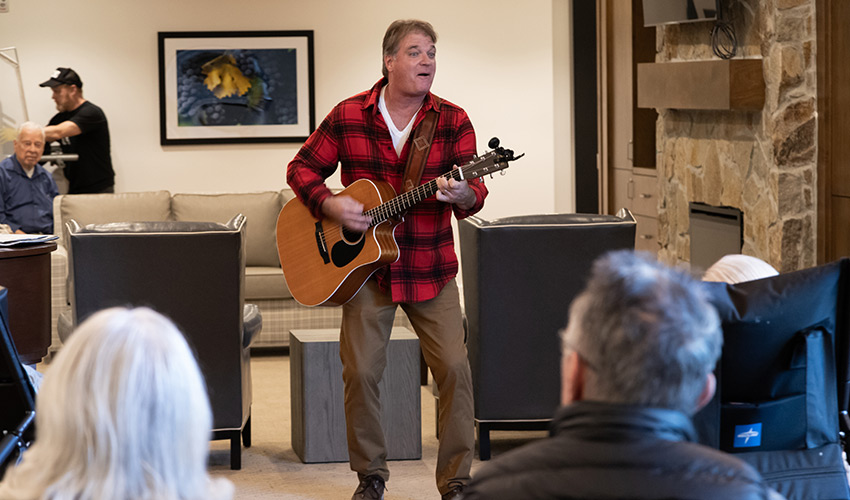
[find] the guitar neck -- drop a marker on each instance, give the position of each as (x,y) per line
(490,162)
(405,201)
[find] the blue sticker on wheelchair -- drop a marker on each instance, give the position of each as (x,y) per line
(747,436)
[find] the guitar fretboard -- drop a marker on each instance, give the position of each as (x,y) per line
(490,162)
(404,201)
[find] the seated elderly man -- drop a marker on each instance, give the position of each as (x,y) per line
(637,361)
(26,188)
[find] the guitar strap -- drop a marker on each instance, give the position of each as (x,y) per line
(420,148)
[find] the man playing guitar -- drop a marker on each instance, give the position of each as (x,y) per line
(370,136)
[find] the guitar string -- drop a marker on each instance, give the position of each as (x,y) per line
(401,203)
(407,199)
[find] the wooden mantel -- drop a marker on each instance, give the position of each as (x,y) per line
(715,84)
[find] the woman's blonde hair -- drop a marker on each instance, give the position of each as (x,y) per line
(122,414)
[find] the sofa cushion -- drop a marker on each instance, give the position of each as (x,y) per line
(260,209)
(118,207)
(265,282)
(286,195)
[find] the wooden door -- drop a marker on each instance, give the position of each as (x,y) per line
(833,39)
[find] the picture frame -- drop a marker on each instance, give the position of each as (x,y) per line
(235,87)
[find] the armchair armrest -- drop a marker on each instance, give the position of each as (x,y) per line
(252,323)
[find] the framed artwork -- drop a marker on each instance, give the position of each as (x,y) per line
(230,87)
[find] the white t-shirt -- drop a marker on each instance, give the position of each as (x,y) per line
(399,136)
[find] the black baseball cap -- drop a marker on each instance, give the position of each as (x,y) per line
(63,76)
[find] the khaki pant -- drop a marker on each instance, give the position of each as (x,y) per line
(366,325)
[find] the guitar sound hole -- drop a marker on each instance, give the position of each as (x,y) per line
(344,252)
(351,237)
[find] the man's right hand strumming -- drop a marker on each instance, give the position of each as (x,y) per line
(346,211)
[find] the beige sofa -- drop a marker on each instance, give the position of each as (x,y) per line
(264,281)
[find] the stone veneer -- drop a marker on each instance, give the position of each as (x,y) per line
(761,162)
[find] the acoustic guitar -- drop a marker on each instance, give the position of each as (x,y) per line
(326,264)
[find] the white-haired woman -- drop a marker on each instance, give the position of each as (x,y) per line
(122,414)
(737,268)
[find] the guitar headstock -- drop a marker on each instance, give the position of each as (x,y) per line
(490,162)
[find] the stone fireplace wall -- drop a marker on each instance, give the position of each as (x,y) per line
(761,162)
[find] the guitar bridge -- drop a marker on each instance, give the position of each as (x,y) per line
(320,242)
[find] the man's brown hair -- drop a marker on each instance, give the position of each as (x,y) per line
(400,29)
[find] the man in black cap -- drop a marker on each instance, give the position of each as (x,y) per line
(81,129)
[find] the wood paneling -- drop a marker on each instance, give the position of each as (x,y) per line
(646,237)
(833,50)
(645,195)
(628,132)
(716,84)
(619,83)
(840,245)
(839,19)
(622,189)
(643,119)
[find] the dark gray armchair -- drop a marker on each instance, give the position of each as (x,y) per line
(783,379)
(519,276)
(194,273)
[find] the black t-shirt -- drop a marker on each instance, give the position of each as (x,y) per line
(92,173)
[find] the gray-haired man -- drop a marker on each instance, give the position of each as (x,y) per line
(638,359)
(26,188)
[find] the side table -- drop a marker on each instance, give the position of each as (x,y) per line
(318,415)
(25,272)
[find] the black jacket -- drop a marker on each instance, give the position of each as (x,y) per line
(599,450)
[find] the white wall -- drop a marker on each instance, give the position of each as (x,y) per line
(495,59)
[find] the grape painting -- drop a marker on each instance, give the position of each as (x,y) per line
(236,87)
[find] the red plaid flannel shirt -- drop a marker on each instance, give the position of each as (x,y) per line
(355,135)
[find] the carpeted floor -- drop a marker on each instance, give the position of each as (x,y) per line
(271,469)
